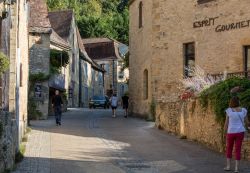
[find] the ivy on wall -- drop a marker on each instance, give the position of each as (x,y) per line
(4,63)
(219,95)
(33,112)
(58,59)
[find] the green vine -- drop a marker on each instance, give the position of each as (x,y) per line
(218,96)
(58,59)
(4,63)
(33,112)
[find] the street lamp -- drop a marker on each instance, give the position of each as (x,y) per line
(6,9)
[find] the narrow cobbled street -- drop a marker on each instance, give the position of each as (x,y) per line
(91,141)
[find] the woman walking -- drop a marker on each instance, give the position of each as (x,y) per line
(235,128)
(114,104)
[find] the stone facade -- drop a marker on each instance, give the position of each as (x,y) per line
(219,31)
(13,119)
(39,63)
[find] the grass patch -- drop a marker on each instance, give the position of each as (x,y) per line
(20,155)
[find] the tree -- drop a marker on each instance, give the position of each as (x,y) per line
(97,18)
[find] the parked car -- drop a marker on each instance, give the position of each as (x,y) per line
(99,101)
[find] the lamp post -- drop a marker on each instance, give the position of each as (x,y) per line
(6,9)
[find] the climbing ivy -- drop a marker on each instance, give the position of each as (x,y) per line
(33,112)
(4,63)
(218,96)
(58,60)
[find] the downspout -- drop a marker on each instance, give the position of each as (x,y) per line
(80,83)
(18,54)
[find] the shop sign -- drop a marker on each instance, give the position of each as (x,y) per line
(221,27)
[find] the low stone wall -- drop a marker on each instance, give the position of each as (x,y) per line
(8,141)
(189,119)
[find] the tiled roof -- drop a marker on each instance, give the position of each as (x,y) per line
(39,21)
(96,40)
(101,48)
(61,22)
(84,53)
(56,39)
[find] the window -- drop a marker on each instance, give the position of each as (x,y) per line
(140,15)
(204,1)
(73,63)
(145,84)
(247,58)
(189,59)
(86,70)
(21,75)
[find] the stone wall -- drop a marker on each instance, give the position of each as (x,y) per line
(189,119)
(39,62)
(8,141)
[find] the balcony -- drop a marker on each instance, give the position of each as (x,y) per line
(57,81)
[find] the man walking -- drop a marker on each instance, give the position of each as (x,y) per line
(57,104)
(125,99)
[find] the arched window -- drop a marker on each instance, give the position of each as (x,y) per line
(145,84)
(140,14)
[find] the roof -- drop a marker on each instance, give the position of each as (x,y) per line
(102,48)
(58,41)
(84,53)
(96,40)
(61,22)
(39,21)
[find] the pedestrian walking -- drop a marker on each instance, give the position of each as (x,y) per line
(57,105)
(236,118)
(125,99)
(114,103)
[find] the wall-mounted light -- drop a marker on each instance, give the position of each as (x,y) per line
(6,9)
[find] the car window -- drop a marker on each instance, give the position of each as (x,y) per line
(98,98)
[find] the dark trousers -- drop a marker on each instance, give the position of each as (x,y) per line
(58,114)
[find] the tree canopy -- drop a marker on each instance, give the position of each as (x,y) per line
(98,18)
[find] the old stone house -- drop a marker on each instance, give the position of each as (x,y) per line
(13,83)
(106,53)
(168,36)
(91,76)
(64,24)
(46,49)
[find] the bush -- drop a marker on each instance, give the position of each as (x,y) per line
(219,95)
(4,63)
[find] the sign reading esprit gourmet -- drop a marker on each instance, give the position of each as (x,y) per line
(221,27)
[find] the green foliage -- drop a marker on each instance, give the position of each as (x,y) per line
(4,63)
(219,95)
(151,116)
(97,18)
(39,77)
(58,60)
(125,62)
(33,113)
(20,155)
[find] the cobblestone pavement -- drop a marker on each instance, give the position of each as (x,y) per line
(90,141)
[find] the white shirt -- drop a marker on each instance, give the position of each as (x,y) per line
(236,120)
(114,101)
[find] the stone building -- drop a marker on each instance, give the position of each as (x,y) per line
(64,24)
(91,76)
(13,83)
(105,52)
(39,46)
(168,36)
